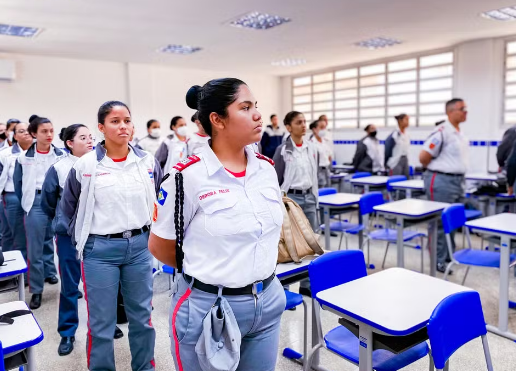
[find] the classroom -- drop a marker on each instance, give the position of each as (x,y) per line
(294,185)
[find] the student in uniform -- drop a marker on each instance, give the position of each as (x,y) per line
(368,157)
(325,154)
(231,222)
(78,141)
(29,174)
(9,132)
(199,139)
(272,137)
(397,146)
(175,149)
(109,197)
(153,140)
(445,156)
(14,213)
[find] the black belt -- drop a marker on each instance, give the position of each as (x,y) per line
(228,291)
(300,191)
(127,234)
(443,173)
(38,191)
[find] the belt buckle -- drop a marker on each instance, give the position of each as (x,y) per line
(127,234)
(257,287)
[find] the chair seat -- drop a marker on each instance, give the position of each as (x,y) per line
(342,342)
(293,299)
(473,214)
(479,258)
(339,226)
(391,235)
(168,269)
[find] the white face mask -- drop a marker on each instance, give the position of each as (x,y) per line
(182,131)
(11,136)
(322,133)
(155,133)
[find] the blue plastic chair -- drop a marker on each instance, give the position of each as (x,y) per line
(453,218)
(334,269)
(165,269)
(394,179)
(457,320)
(2,367)
(293,300)
(327,191)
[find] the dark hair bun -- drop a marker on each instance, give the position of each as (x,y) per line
(192,96)
(62,133)
(32,118)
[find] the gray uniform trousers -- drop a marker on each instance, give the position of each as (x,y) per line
(402,168)
(108,262)
(40,246)
(6,234)
(15,215)
(258,321)
(324,177)
(444,188)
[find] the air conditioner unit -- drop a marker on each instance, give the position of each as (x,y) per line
(7,70)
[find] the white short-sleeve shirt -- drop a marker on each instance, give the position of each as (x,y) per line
(449,148)
(231,225)
(302,179)
(401,148)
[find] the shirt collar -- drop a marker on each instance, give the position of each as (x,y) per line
(213,164)
(451,127)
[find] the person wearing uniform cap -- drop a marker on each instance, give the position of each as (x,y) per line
(199,139)
(174,149)
(368,157)
(445,156)
(153,140)
(218,220)
(109,198)
(29,174)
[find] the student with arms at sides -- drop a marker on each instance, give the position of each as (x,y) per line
(29,174)
(325,153)
(199,139)
(153,140)
(228,230)
(397,147)
(174,149)
(368,157)
(109,197)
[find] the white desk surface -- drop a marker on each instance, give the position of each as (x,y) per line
(339,199)
(481,176)
(11,268)
(371,180)
(395,301)
(339,176)
(286,269)
(412,207)
(24,330)
(343,167)
(409,184)
(501,223)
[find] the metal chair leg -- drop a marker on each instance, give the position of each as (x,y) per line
(308,363)
(305,334)
(465,276)
(447,272)
(422,255)
(487,353)
(385,255)
(340,243)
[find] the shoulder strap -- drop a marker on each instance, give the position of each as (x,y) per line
(180,166)
(265,158)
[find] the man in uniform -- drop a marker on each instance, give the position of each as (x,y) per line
(445,157)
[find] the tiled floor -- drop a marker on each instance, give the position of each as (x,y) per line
(469,358)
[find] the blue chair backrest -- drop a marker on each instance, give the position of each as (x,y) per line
(2,367)
(360,175)
(457,320)
(453,217)
(336,268)
(394,179)
(369,201)
(411,171)
(334,162)
(327,191)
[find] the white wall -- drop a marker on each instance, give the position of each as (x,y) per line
(479,76)
(68,91)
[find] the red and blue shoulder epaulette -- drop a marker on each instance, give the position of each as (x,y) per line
(180,166)
(262,157)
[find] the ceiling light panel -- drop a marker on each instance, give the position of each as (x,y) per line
(289,62)
(503,14)
(378,43)
(179,49)
(259,21)
(19,31)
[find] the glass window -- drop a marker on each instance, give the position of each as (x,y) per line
(346,74)
(373,102)
(401,99)
(511,48)
(435,60)
(372,112)
(431,109)
(303,108)
(398,110)
(407,64)
(372,70)
(439,84)
(372,91)
(510,104)
(346,84)
(323,87)
(350,103)
(302,90)
(302,99)
(432,73)
(402,88)
(325,77)
(346,114)
(430,120)
(403,76)
(375,121)
(436,96)
(372,80)
(321,97)
(299,81)
(345,94)
(323,106)
(346,123)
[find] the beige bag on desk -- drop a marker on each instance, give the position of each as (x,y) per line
(297,238)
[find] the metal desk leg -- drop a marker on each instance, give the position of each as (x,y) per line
(401,251)
(366,188)
(408,192)
(31,359)
(327,229)
(21,287)
(365,359)
(503,310)
(432,235)
(491,208)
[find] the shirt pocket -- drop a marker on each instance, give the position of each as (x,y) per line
(274,204)
(221,216)
(105,188)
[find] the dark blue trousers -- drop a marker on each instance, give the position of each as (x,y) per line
(70,272)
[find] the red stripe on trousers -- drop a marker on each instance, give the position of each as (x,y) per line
(432,187)
(88,352)
(181,300)
(152,362)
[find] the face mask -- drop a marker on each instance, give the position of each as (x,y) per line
(183,131)
(3,136)
(11,136)
(155,133)
(322,133)
(373,134)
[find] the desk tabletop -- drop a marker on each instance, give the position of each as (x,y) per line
(13,264)
(412,207)
(418,184)
(339,176)
(343,167)
(287,269)
(339,199)
(481,176)
(23,333)
(501,223)
(371,180)
(395,301)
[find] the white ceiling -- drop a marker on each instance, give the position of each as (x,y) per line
(322,31)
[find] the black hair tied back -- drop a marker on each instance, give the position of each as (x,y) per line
(192,97)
